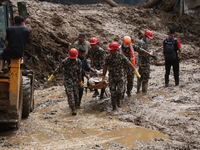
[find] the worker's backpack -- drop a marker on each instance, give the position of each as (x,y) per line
(169,51)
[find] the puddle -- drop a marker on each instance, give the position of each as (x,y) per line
(53,127)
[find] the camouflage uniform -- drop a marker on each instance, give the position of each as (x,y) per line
(98,62)
(116,78)
(97,57)
(128,72)
(71,68)
(144,68)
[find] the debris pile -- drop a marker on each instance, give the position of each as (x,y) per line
(54,26)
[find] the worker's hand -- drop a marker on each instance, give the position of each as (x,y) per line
(137,73)
(51,78)
(154,57)
(103,79)
(81,84)
(88,77)
(93,70)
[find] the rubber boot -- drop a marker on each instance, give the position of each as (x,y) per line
(128,93)
(177,82)
(119,100)
(166,81)
(144,87)
(138,86)
(114,105)
(73,110)
(102,93)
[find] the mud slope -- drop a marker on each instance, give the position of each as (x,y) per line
(54,26)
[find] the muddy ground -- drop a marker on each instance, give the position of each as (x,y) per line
(165,118)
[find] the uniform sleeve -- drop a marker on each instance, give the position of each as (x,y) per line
(178,44)
(60,66)
(73,46)
(102,61)
(87,68)
(125,60)
(79,68)
(89,54)
(107,61)
(137,48)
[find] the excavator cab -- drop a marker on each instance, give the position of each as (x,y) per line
(17,85)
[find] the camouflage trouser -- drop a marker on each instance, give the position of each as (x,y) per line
(116,90)
(128,82)
(72,91)
(144,72)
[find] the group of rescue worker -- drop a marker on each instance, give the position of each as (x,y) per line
(120,63)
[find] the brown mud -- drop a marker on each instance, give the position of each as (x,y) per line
(165,118)
(53,26)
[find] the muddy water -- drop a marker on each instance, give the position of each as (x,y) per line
(51,126)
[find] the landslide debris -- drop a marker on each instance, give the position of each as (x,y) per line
(53,27)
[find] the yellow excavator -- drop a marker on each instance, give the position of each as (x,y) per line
(17,85)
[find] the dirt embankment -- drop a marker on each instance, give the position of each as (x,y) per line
(54,26)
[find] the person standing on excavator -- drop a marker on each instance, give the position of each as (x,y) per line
(114,63)
(144,62)
(128,49)
(72,67)
(17,36)
(97,56)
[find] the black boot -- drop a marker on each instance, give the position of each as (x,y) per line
(176,82)
(96,93)
(139,82)
(102,93)
(114,107)
(73,110)
(166,81)
(119,101)
(144,87)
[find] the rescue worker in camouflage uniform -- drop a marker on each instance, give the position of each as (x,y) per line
(144,63)
(128,50)
(114,63)
(72,67)
(97,56)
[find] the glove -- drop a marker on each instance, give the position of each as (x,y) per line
(103,79)
(137,73)
(154,57)
(81,84)
(51,78)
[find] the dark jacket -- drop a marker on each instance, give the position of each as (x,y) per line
(17,36)
(85,67)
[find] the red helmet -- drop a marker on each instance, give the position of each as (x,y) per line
(113,46)
(73,53)
(149,34)
(93,40)
(126,40)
